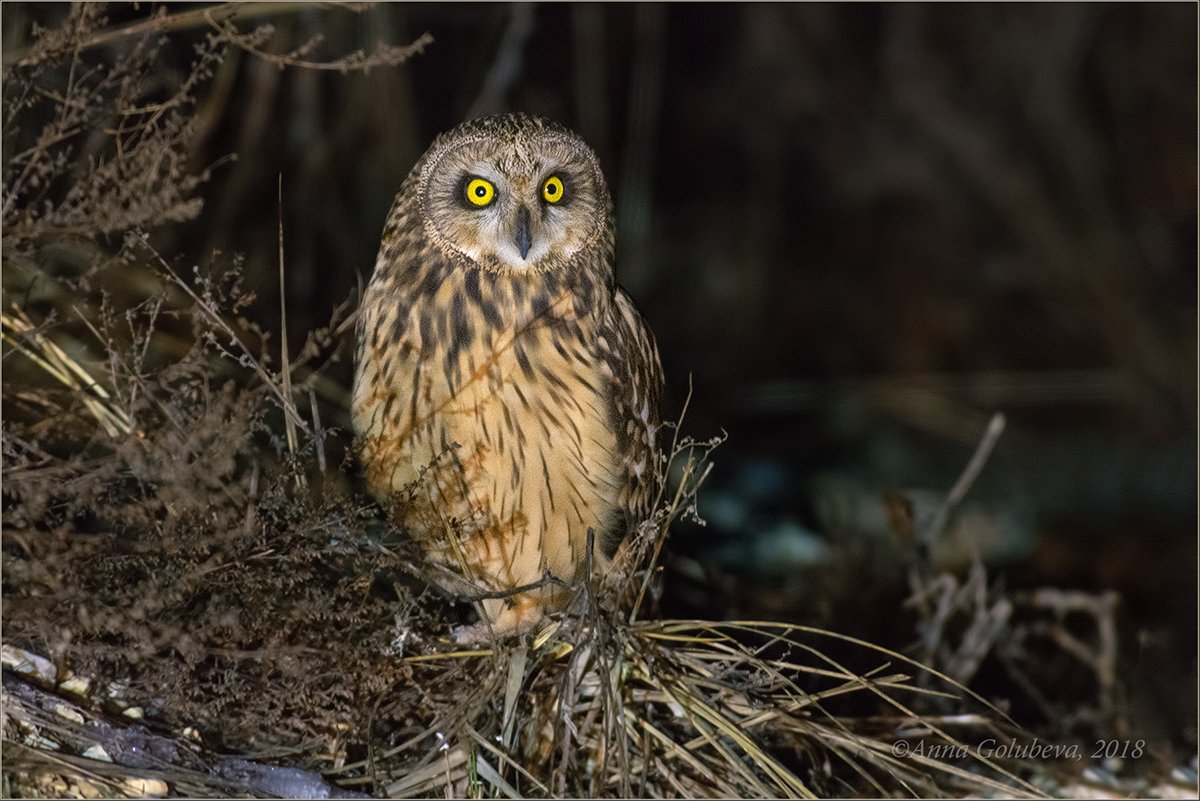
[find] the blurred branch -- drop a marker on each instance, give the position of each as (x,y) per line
(948,405)
(985,388)
(969,474)
(637,175)
(1101,655)
(591,76)
(507,67)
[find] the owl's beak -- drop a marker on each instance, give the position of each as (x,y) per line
(523,241)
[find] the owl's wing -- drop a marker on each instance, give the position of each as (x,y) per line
(629,349)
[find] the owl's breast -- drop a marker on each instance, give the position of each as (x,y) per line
(500,429)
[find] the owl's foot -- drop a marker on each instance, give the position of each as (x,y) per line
(510,618)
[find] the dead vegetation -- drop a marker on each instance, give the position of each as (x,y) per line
(194,595)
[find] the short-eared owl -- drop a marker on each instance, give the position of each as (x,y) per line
(507,390)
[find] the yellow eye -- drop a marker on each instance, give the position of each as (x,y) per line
(552,190)
(480,192)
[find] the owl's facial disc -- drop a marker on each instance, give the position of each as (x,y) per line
(516,207)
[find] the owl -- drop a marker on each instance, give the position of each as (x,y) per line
(506,395)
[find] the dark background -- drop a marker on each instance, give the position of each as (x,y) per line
(857,230)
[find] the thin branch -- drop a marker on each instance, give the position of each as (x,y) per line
(983,450)
(384,55)
(506,69)
(548,579)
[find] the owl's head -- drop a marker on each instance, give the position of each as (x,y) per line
(513,193)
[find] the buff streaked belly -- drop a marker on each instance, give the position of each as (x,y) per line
(500,474)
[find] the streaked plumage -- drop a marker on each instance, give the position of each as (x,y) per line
(507,390)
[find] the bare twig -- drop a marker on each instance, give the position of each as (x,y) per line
(1101,657)
(978,459)
(384,55)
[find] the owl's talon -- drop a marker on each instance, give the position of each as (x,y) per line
(474,632)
